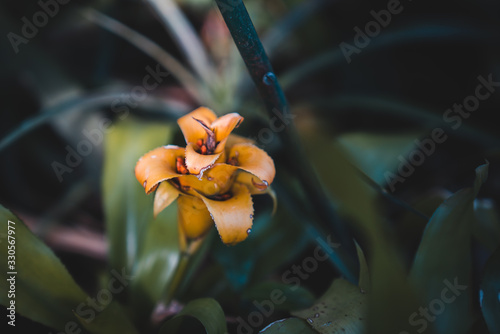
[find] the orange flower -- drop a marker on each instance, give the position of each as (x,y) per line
(213,178)
(206,137)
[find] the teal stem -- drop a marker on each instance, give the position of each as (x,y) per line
(257,62)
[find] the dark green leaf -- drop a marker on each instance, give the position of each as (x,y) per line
(206,310)
(288,326)
(342,309)
(364,273)
(44,290)
(377,154)
(391,298)
(487,227)
(490,293)
(110,320)
(442,266)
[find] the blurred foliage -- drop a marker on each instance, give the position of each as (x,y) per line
(79,80)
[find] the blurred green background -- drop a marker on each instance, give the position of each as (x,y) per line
(66,79)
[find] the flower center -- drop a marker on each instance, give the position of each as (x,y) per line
(206,147)
(181,166)
(222,197)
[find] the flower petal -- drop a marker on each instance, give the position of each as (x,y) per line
(234,216)
(236,139)
(252,159)
(223,126)
(193,217)
(158,165)
(191,129)
(197,163)
(165,195)
(216,180)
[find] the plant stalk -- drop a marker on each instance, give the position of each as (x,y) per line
(257,62)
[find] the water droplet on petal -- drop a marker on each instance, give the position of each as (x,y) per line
(309,320)
(144,184)
(266,183)
(212,216)
(251,216)
(269,78)
(153,157)
(249,231)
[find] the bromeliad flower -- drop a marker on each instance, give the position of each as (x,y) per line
(212,179)
(206,137)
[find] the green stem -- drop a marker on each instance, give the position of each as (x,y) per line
(177,278)
(250,47)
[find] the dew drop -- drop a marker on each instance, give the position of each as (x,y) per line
(269,78)
(249,231)
(153,157)
(212,216)
(144,184)
(266,183)
(316,315)
(309,320)
(251,216)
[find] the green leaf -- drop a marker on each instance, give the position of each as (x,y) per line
(128,211)
(342,309)
(288,326)
(487,227)
(110,320)
(44,290)
(146,247)
(364,273)
(410,227)
(490,293)
(442,266)
(156,263)
(391,298)
(283,296)
(207,311)
(377,154)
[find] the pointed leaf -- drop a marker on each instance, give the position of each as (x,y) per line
(207,311)
(443,260)
(44,290)
(288,326)
(128,211)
